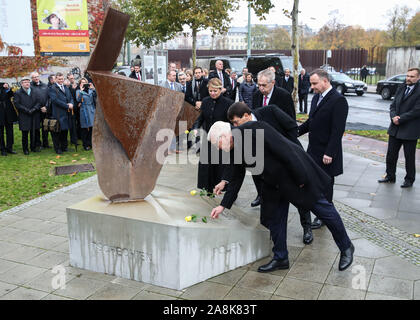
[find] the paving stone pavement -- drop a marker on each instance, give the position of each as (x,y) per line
(381,221)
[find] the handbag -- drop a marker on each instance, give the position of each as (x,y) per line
(51,125)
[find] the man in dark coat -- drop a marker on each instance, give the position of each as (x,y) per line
(136,74)
(404,129)
(42,89)
(287,81)
(234,85)
(303,90)
(61,105)
(326,125)
(364,72)
(224,77)
(7,117)
(197,88)
(214,108)
(268,93)
(290,175)
(28,103)
(239,114)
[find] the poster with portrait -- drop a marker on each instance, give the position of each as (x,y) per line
(16,30)
(162,63)
(63,27)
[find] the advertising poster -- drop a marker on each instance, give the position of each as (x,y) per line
(63,27)
(16,26)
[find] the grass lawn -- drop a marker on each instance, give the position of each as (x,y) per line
(23,178)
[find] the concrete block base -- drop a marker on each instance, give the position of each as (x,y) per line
(150,241)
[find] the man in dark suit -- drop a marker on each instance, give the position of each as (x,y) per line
(287,81)
(303,90)
(136,74)
(234,84)
(61,105)
(404,129)
(42,88)
(223,76)
(239,113)
(326,125)
(7,117)
(28,103)
(197,88)
(268,93)
(290,176)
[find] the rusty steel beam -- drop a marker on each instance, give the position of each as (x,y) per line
(129,115)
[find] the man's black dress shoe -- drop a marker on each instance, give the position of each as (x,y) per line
(407,184)
(274,265)
(346,258)
(58,151)
(387,180)
(317,224)
(25,152)
(307,236)
(256,202)
(11,151)
(4,153)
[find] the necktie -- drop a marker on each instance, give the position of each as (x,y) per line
(232,84)
(62,88)
(407,92)
(265,101)
(138,76)
(172,86)
(319,100)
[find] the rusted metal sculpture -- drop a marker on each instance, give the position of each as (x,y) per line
(129,114)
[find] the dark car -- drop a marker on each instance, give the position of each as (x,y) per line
(344,84)
(257,63)
(234,64)
(387,88)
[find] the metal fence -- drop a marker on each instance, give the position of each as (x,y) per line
(343,60)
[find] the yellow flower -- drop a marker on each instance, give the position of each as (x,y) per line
(188,219)
(187,132)
(193,192)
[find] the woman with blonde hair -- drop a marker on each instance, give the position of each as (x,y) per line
(189,74)
(213,108)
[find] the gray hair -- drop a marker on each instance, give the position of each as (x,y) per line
(34,74)
(181,74)
(322,74)
(217,130)
(267,74)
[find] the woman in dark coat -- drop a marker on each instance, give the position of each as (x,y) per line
(247,90)
(213,108)
(7,117)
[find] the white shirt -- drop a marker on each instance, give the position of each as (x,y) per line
(253,117)
(268,96)
(322,95)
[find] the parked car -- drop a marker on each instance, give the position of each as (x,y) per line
(344,84)
(387,88)
(125,69)
(257,63)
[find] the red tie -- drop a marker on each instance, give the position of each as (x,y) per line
(138,76)
(265,101)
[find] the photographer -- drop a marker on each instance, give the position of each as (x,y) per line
(7,117)
(85,97)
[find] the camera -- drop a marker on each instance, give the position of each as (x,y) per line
(86,87)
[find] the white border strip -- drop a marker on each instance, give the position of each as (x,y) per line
(48,196)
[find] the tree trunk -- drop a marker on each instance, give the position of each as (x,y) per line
(194,47)
(124,52)
(295,51)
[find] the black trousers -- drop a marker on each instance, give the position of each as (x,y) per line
(34,139)
(86,137)
(394,146)
(9,137)
(44,134)
(304,215)
(303,100)
(60,140)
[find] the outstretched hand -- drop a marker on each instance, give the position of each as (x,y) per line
(216,211)
(218,188)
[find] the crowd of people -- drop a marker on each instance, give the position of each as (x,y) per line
(290,174)
(44,109)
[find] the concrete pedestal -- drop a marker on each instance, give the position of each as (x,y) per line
(150,241)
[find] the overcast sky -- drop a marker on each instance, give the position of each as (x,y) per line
(366,13)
